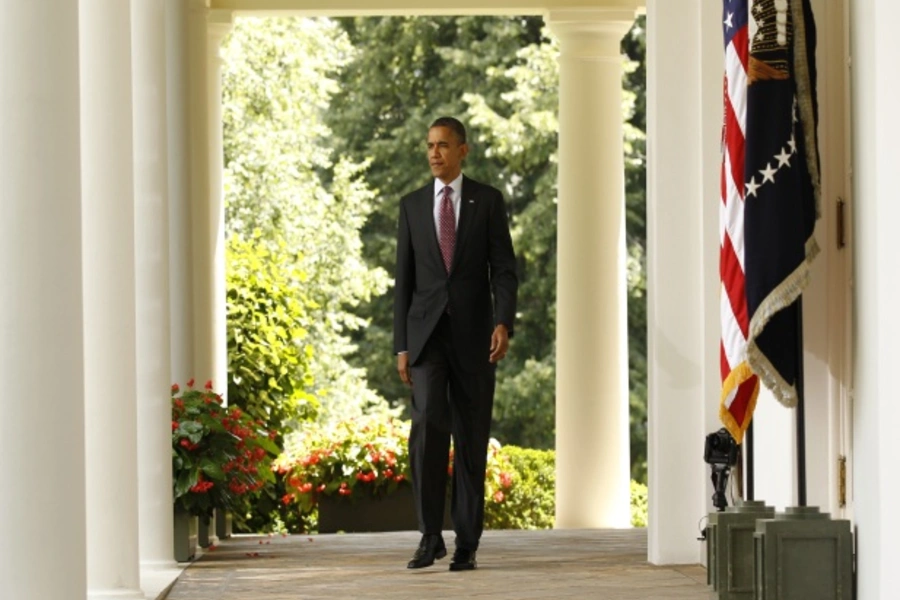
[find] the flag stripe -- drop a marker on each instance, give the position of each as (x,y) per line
(739,384)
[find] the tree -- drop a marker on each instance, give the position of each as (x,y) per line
(281,182)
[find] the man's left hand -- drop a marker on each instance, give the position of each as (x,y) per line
(499,343)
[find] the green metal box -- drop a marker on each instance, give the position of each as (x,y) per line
(729,549)
(803,554)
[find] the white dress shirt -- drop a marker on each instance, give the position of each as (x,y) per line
(455,197)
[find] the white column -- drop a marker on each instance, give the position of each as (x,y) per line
(592,444)
(219,25)
(109,300)
(41,346)
(151,240)
(876,295)
(207,30)
(684,120)
(179,142)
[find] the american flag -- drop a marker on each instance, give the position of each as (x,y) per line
(740,386)
(770,190)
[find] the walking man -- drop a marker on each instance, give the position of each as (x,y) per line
(454,307)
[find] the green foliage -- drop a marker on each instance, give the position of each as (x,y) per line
(524,406)
(638,504)
(361,455)
(267,323)
(282,183)
(529,502)
(219,453)
(634,45)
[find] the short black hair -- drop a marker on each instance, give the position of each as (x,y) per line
(454,125)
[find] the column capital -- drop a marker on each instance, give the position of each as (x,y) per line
(590,32)
(219,23)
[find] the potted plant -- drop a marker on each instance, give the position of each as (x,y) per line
(218,453)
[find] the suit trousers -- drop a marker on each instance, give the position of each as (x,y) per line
(450,402)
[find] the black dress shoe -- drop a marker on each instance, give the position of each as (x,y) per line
(430,549)
(463,560)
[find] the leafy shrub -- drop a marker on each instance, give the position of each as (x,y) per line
(268,359)
(218,453)
(366,453)
(529,502)
(638,504)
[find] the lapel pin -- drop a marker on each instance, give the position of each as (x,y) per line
(471,202)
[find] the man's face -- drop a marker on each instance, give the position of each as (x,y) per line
(445,153)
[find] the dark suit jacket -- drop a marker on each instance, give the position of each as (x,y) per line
(480,289)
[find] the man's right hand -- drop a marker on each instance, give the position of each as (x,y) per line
(403,368)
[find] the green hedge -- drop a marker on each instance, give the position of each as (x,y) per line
(529,502)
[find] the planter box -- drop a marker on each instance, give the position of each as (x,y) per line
(394,512)
(185,535)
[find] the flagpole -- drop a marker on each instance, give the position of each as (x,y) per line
(750,493)
(801,412)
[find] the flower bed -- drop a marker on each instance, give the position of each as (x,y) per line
(368,458)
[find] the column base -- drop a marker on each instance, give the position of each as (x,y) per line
(117,595)
(157,578)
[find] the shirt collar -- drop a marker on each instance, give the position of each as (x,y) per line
(456,184)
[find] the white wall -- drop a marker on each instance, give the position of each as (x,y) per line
(678,375)
(876,128)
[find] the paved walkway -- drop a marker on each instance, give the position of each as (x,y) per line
(557,564)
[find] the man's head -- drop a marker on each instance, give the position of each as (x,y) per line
(446,148)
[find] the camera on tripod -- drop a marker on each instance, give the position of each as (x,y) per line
(721,453)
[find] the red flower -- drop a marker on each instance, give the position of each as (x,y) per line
(286,499)
(190,382)
(174,425)
(175,388)
(306,488)
(505,480)
(208,385)
(321,487)
(499,497)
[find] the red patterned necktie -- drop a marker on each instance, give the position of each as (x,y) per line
(447,228)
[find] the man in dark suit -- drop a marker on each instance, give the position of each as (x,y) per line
(454,307)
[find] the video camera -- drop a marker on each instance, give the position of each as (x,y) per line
(721,453)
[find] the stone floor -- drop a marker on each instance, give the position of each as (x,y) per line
(558,564)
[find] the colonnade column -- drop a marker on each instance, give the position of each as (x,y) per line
(154,436)
(109,300)
(207,30)
(42,522)
(181,291)
(684,128)
(592,443)
(219,24)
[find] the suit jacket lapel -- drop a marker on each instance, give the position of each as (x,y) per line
(466,213)
(426,202)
